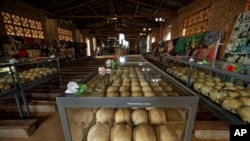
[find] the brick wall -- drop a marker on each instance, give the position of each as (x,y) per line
(223,14)
(49,25)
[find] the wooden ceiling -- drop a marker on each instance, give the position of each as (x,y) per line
(110,17)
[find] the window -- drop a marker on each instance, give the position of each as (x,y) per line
(20,26)
(81,38)
(65,34)
(196,23)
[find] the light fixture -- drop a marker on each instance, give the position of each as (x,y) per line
(146,29)
(160,19)
(143,34)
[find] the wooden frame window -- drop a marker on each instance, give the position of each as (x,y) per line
(20,26)
(81,38)
(65,34)
(196,23)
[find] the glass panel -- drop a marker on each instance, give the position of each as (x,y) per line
(199,27)
(32,23)
(40,34)
(19,31)
(16,20)
(34,33)
(90,122)
(204,26)
(25,22)
(206,13)
(10,29)
(201,15)
(193,29)
(6,17)
(38,25)
(27,32)
(195,18)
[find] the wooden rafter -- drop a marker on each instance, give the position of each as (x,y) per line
(169,11)
(136,11)
(111,3)
(100,16)
(155,12)
(73,7)
(60,5)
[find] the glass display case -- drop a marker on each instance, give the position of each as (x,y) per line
(136,99)
(223,87)
(29,73)
(8,85)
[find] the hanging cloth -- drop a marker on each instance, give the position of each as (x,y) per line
(212,37)
(210,55)
(180,46)
(201,52)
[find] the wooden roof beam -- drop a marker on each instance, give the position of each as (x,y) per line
(156,11)
(60,5)
(136,10)
(100,16)
(111,3)
(73,7)
(169,11)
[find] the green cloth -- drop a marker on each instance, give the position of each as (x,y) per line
(180,45)
(184,43)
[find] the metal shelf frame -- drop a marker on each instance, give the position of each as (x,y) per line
(22,87)
(13,91)
(216,109)
(188,100)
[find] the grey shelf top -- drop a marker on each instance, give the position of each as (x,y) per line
(216,109)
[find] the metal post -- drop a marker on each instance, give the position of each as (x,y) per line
(59,71)
(190,74)
(216,49)
(21,91)
(19,106)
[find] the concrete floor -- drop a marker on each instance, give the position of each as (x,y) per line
(49,129)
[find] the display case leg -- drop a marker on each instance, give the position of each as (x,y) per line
(19,106)
(164,64)
(60,80)
(25,104)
